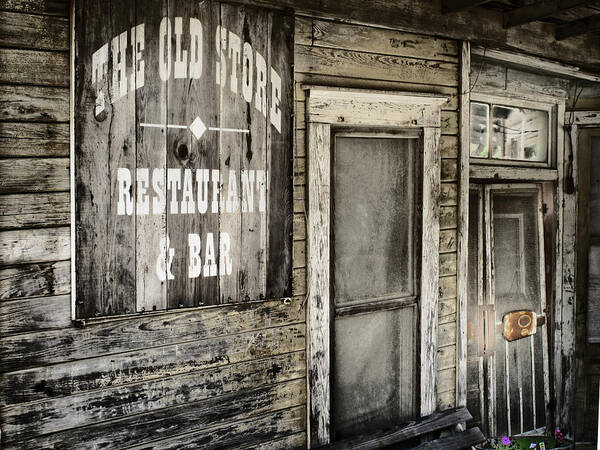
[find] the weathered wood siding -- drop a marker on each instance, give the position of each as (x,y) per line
(490,77)
(357,56)
(230,376)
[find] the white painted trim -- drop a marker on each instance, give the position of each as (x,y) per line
(358,107)
(583,118)
(531,102)
(318,268)
(496,172)
(402,97)
(462,264)
(535,63)
(335,107)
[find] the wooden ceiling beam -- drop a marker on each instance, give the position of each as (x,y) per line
(534,63)
(482,26)
(451,6)
(540,10)
(578,27)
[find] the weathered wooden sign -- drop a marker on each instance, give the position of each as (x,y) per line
(183,147)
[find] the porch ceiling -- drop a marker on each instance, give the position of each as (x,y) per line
(571,17)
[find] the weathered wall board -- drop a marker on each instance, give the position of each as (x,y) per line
(383,59)
(47,363)
(183,163)
(216,372)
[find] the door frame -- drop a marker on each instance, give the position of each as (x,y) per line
(568,341)
(562,334)
(327,108)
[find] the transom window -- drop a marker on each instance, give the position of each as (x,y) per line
(509,133)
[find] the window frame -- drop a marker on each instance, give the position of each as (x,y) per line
(545,105)
(328,108)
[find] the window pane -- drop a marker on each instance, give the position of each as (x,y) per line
(516,250)
(520,133)
(372,218)
(595,187)
(373,371)
(593,291)
(480,138)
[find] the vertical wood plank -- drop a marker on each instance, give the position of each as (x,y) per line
(119,279)
(507,385)
(319,281)
(280,185)
(543,300)
(532,369)
(558,252)
(232,147)
(244,152)
(489,300)
(430,267)
(189,98)
(561,152)
(254,159)
(463,226)
(566,377)
(105,254)
(89,284)
(151,150)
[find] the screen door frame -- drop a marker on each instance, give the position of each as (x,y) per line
(574,383)
(335,108)
(487,298)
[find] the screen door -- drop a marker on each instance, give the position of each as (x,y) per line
(507,338)
(374,219)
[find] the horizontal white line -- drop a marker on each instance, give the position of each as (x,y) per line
(235,130)
(156,125)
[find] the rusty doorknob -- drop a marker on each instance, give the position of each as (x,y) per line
(520,324)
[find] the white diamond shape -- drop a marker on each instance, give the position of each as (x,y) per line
(198,128)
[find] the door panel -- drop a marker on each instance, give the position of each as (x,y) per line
(516,372)
(373,360)
(373,369)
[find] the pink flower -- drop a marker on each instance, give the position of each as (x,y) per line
(559,435)
(506,440)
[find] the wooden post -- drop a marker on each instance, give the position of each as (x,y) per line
(430,264)
(565,386)
(318,282)
(463,226)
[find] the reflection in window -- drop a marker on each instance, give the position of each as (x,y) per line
(519,134)
(480,137)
